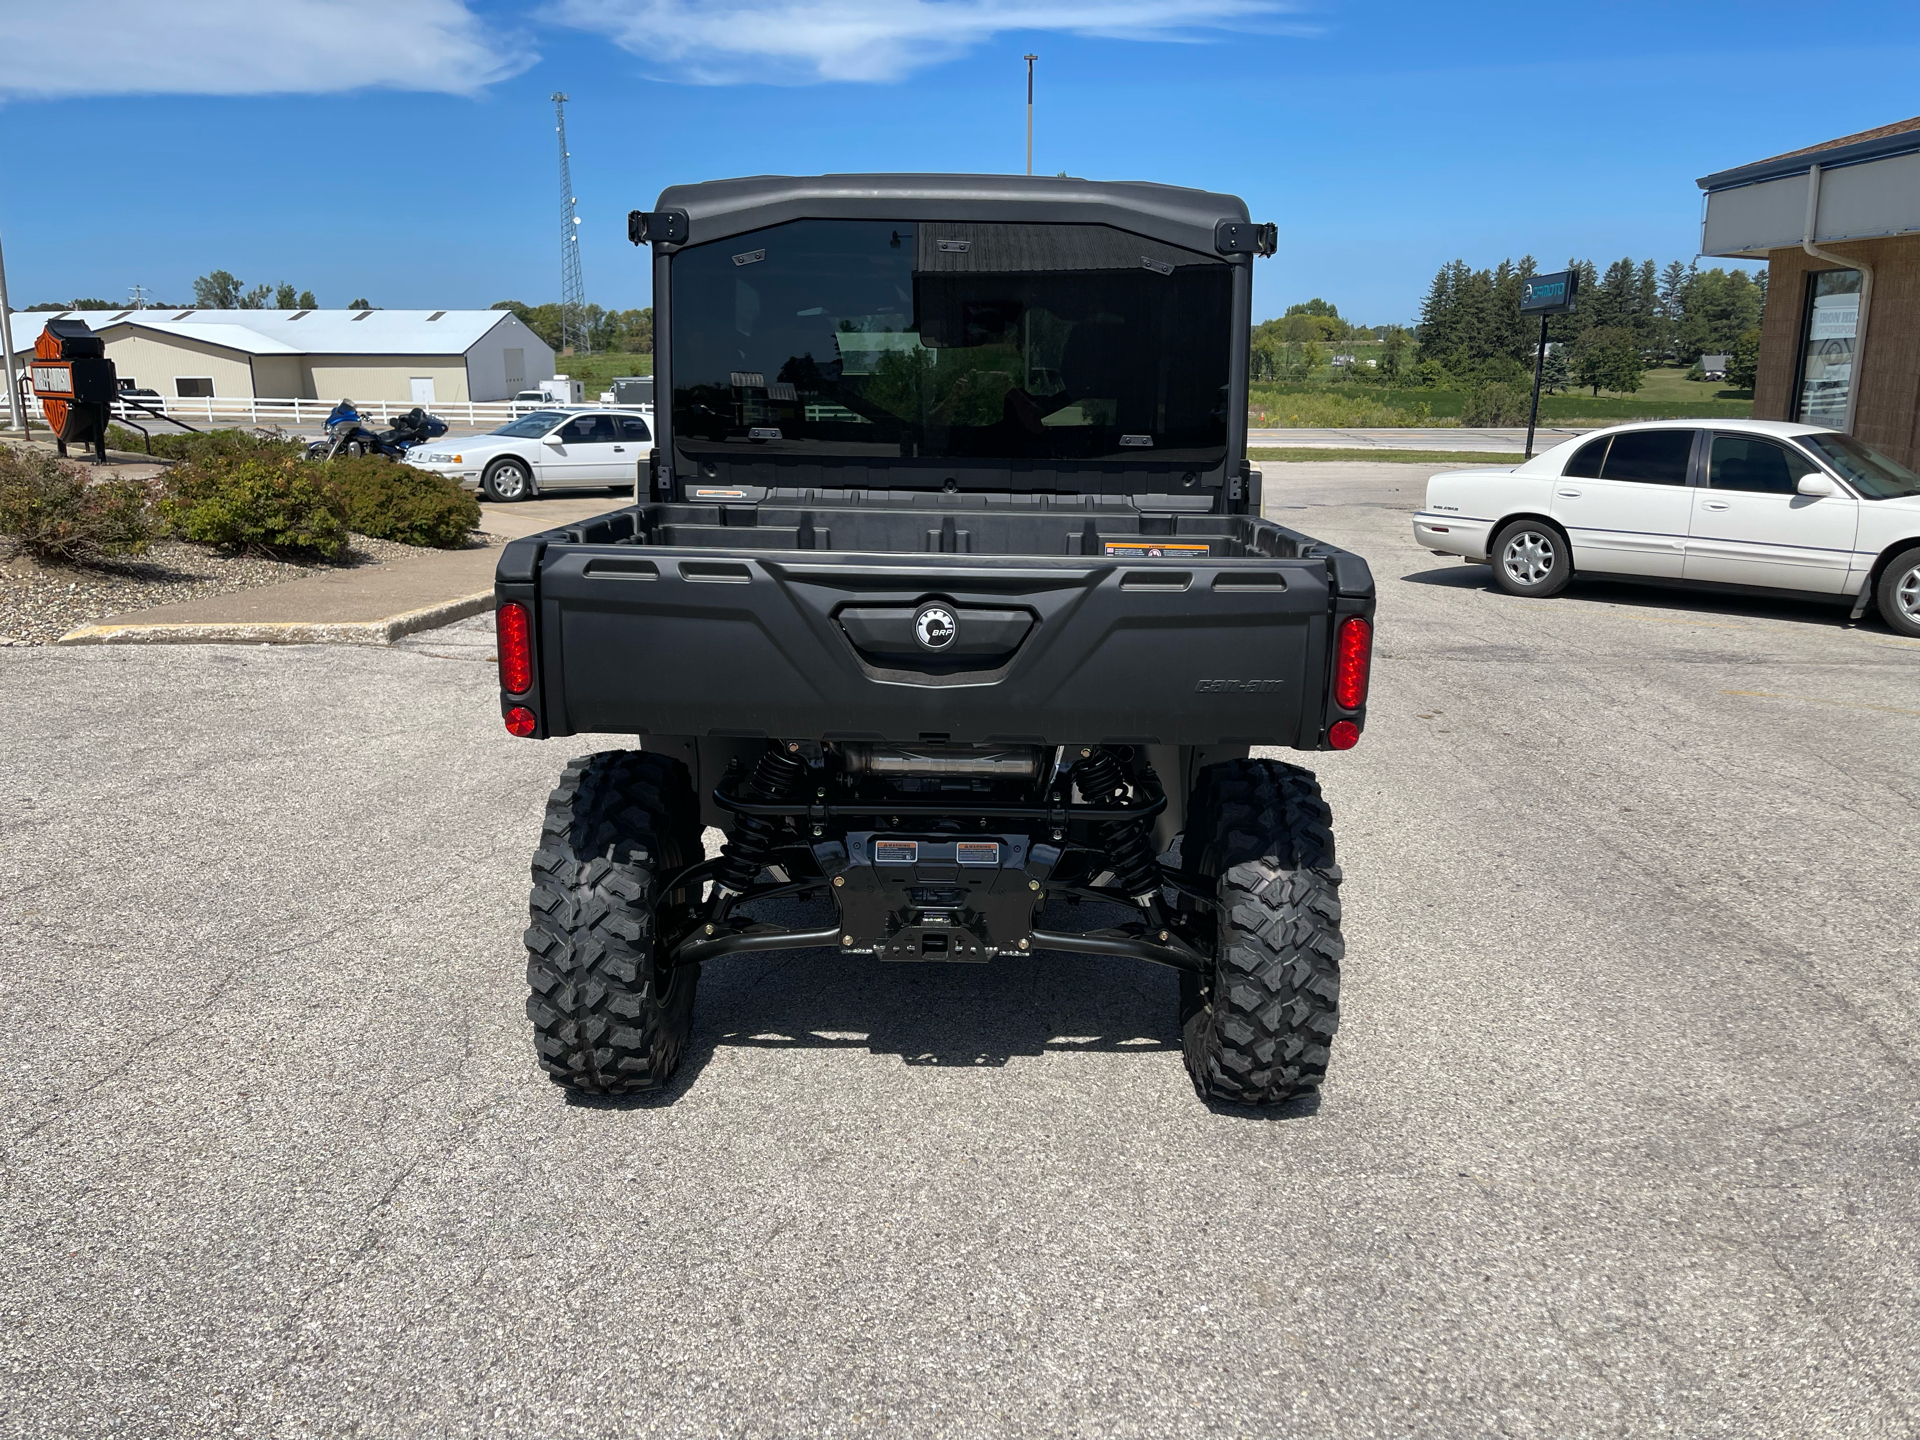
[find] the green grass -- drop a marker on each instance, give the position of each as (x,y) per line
(1670,383)
(597,372)
(1302,454)
(1667,395)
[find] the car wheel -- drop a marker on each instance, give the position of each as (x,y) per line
(507,480)
(1532,558)
(1897,596)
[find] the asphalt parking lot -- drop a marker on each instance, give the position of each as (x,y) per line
(1619,1138)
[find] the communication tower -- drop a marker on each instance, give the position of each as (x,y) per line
(573,290)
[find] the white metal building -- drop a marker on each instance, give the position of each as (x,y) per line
(416,356)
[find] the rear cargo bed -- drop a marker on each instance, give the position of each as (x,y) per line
(1088,622)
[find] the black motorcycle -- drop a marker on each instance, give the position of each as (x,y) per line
(351,437)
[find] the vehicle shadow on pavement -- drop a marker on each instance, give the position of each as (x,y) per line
(950,1015)
(1653,595)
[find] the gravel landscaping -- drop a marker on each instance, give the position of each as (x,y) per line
(40,603)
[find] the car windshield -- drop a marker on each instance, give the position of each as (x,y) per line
(886,340)
(532,427)
(1872,474)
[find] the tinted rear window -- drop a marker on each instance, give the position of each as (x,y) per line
(1585,464)
(1652,457)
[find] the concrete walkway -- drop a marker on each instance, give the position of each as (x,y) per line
(1408,439)
(366,605)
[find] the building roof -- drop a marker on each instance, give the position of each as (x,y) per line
(1900,138)
(294,332)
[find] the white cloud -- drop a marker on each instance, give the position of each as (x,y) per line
(249,47)
(801,41)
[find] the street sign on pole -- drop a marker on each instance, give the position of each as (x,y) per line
(1545,295)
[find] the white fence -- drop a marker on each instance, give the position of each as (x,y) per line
(212,412)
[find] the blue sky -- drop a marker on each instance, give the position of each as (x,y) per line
(403,149)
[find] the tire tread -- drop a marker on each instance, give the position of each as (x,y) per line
(1260,1033)
(616,822)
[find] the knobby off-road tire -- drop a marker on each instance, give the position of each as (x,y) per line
(606,1019)
(1257,1032)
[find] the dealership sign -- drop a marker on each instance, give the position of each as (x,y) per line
(1549,294)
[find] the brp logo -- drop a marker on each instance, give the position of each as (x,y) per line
(935,628)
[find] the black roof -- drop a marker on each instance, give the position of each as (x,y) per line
(719,208)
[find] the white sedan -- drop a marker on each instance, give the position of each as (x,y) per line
(1726,502)
(548,450)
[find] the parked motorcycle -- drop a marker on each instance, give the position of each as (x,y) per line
(349,435)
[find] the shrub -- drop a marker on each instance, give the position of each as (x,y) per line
(1495,404)
(50,510)
(398,502)
(273,506)
(203,445)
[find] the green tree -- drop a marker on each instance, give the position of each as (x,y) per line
(1720,307)
(1743,361)
(361,304)
(217,290)
(1393,354)
(1555,374)
(1608,357)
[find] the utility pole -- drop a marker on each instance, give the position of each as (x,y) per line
(1030,60)
(15,420)
(573,289)
(139,297)
(1533,413)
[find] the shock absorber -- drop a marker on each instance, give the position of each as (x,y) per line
(1136,872)
(775,778)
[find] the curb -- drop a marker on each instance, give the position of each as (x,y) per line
(285,632)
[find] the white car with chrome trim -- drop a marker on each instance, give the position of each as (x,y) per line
(547,450)
(1753,503)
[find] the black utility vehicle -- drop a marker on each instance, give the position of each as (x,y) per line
(949,598)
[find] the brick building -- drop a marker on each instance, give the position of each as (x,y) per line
(1839,226)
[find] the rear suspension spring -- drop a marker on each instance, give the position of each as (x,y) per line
(774,779)
(1101,781)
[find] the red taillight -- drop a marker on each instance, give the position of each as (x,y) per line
(1343,735)
(513,629)
(1354,658)
(520,721)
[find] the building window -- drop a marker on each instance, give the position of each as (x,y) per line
(193,387)
(1826,347)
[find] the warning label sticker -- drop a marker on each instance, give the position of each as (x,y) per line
(895,852)
(1155,549)
(977,852)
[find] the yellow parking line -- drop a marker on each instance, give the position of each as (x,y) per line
(1816,700)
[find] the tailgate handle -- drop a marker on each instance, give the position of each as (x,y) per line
(622,569)
(1155,580)
(715,572)
(1254,580)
